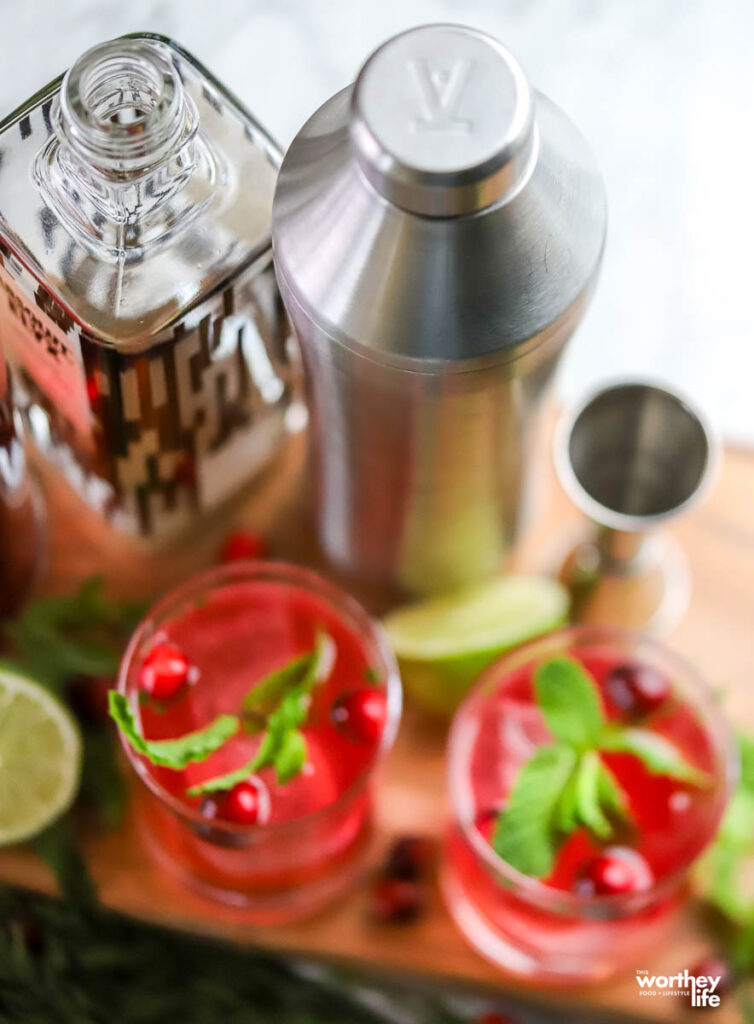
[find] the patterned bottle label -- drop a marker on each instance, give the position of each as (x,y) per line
(154,439)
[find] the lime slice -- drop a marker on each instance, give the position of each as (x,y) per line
(443,643)
(40,758)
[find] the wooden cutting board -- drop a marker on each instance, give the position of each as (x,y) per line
(716,635)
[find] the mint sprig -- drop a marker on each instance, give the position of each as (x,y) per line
(524,836)
(283,745)
(566,785)
(175,753)
(570,702)
(278,705)
(656,752)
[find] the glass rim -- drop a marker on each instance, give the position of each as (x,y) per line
(274,572)
(536,891)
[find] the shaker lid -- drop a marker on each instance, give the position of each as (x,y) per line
(442,122)
(438,214)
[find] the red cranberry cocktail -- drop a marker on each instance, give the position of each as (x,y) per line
(587,771)
(255,703)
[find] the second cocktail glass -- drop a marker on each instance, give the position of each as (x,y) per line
(603,903)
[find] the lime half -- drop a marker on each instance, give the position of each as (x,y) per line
(40,758)
(443,643)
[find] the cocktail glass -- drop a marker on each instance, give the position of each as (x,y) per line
(553,931)
(236,624)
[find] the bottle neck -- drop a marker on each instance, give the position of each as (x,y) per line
(127,142)
(122,110)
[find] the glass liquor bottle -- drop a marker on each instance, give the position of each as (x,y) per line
(137,298)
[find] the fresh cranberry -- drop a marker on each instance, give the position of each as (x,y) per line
(395,900)
(164,671)
(618,870)
(360,714)
(410,857)
(247,803)
(242,545)
(715,967)
(637,689)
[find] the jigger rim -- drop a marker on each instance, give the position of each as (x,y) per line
(602,514)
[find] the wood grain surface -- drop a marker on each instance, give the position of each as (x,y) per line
(716,635)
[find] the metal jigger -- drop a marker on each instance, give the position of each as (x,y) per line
(631,457)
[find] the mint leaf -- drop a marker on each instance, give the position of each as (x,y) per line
(588,802)
(656,752)
(570,702)
(286,751)
(270,690)
(566,815)
(290,756)
(283,746)
(222,782)
(176,753)
(611,796)
(524,834)
(591,797)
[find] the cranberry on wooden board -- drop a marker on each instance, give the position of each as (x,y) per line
(395,900)
(410,857)
(242,545)
(164,671)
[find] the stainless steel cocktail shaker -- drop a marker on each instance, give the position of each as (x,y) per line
(437,230)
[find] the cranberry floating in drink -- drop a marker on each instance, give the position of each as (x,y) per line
(576,810)
(256,790)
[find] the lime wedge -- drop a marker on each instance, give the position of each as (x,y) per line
(443,643)
(40,758)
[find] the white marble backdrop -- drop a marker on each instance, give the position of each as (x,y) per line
(663,90)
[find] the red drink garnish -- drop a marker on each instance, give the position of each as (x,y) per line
(637,689)
(247,803)
(618,870)
(360,714)
(164,671)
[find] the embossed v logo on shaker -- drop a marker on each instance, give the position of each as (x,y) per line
(441,90)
